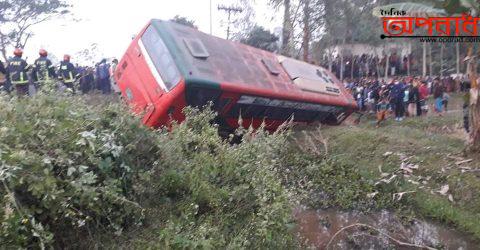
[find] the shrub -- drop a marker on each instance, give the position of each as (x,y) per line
(219,194)
(66,169)
(77,171)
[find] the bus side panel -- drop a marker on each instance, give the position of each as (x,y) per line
(131,86)
(169,107)
(150,84)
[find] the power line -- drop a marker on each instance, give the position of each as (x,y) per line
(229,10)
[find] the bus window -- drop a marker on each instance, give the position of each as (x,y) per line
(309,77)
(160,57)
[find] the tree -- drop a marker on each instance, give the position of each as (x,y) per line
(17,17)
(240,23)
(456,7)
(313,13)
(287,29)
(357,28)
(261,38)
(184,21)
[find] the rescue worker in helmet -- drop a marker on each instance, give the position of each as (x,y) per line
(67,73)
(43,71)
(17,70)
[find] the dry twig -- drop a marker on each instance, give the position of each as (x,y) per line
(397,241)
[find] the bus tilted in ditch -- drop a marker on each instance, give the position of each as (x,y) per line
(169,66)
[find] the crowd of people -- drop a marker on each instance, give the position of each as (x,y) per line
(401,96)
(404,96)
(16,74)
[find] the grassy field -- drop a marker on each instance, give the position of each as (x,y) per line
(436,145)
(83,173)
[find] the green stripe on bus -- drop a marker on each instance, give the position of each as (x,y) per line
(198,82)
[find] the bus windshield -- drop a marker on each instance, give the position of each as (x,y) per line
(159,59)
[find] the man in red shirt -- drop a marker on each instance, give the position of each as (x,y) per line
(423,94)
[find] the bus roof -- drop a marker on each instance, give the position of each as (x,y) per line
(203,56)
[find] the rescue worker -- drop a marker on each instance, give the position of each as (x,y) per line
(67,73)
(17,72)
(43,70)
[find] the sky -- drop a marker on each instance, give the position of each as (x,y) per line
(112,24)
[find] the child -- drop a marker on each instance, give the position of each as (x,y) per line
(382,109)
(445,98)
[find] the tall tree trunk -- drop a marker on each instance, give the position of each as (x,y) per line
(377,65)
(328,9)
(474,103)
(408,64)
(330,59)
(424,60)
(442,47)
(367,66)
(342,66)
(342,60)
(408,57)
(430,64)
(457,52)
(3,46)
(287,28)
(387,64)
(352,65)
(306,30)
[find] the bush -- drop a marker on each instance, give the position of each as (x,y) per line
(78,171)
(218,194)
(67,169)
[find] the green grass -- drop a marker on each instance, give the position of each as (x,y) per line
(443,211)
(429,141)
(122,185)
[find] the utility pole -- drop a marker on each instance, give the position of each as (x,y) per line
(210,17)
(229,11)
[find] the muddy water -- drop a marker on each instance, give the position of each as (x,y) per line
(316,228)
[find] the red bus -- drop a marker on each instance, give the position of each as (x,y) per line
(169,66)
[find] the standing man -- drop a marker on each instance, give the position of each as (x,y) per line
(103,76)
(398,94)
(67,73)
(17,71)
(423,93)
(87,79)
(43,70)
(113,67)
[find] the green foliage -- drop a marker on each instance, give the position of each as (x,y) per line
(429,141)
(16,33)
(261,38)
(184,21)
(80,172)
(219,195)
(66,169)
(441,209)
